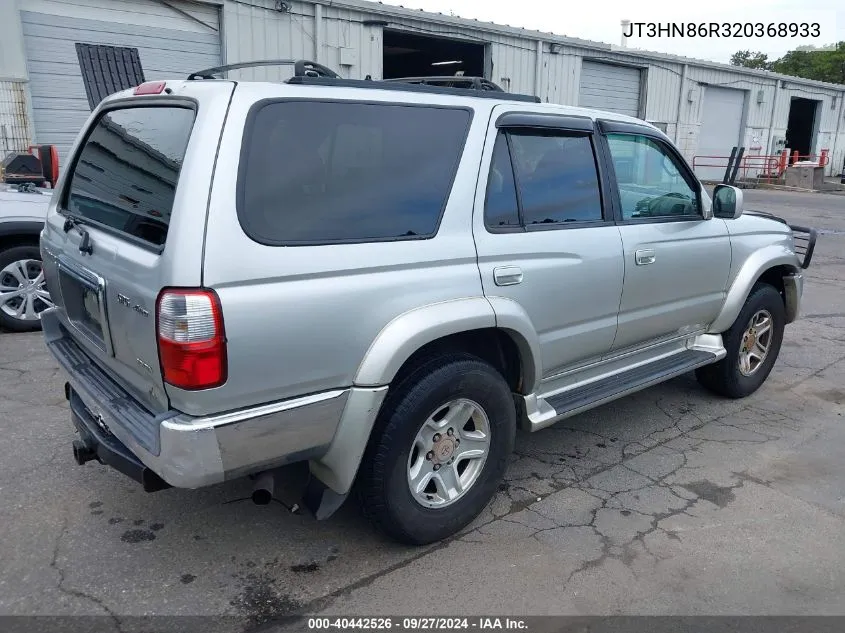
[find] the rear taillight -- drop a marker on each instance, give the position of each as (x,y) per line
(191,340)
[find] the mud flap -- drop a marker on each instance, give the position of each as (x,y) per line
(321,501)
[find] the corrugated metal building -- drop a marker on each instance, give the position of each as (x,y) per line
(706,107)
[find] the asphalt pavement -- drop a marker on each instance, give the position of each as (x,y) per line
(670,501)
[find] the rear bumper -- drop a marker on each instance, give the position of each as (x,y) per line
(96,443)
(186,451)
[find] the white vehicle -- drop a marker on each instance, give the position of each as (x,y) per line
(23,294)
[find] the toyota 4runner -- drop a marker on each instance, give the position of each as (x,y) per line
(385,280)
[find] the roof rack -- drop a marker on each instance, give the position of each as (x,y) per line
(301,68)
(410,87)
(311,73)
(457,81)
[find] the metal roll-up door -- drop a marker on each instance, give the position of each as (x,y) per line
(610,87)
(169,45)
(721,128)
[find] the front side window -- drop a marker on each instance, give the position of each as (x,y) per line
(322,172)
(554,174)
(651,184)
(126,175)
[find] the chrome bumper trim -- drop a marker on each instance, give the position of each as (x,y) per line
(200,451)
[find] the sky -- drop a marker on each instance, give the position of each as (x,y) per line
(600,20)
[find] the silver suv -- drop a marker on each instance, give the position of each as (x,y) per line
(386,280)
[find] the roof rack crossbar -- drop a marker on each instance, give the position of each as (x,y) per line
(301,68)
(412,87)
(476,83)
(306,72)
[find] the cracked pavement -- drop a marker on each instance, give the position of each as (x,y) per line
(670,501)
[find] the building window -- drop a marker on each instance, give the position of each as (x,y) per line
(108,69)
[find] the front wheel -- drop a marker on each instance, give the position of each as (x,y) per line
(753,344)
(439,450)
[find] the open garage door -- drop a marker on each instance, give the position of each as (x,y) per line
(609,87)
(412,55)
(803,125)
(721,128)
(169,43)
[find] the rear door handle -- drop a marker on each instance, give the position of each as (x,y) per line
(507,275)
(644,257)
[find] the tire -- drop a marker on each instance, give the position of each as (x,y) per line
(8,258)
(383,483)
(727,377)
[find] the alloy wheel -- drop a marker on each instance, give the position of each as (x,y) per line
(23,291)
(755,344)
(448,453)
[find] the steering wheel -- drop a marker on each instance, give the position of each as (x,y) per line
(657,205)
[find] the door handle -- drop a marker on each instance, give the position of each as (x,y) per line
(645,256)
(507,275)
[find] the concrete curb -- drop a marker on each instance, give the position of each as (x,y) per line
(797,189)
(762,185)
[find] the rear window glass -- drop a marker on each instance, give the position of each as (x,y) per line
(318,172)
(126,174)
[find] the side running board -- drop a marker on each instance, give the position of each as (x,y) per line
(595,393)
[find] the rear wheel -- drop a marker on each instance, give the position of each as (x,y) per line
(23,292)
(439,450)
(753,344)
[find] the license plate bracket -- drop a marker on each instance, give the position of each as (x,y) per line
(83,294)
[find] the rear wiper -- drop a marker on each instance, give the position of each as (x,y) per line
(75,222)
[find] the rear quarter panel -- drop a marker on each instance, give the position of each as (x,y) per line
(301,319)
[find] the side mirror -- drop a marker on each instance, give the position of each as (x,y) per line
(727,202)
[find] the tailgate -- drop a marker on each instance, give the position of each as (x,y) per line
(126,221)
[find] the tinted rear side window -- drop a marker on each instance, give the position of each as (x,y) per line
(126,174)
(501,208)
(558,180)
(318,172)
